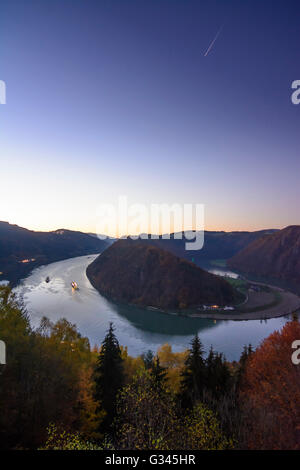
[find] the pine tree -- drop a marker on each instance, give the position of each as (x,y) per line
(218,377)
(193,375)
(109,377)
(148,359)
(247,351)
(158,373)
(152,364)
(210,372)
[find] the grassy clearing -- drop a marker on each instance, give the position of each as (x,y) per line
(221,263)
(240,284)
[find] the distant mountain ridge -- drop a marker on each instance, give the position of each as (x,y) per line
(217,245)
(21,250)
(18,244)
(272,256)
(138,272)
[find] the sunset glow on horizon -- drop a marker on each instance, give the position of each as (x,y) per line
(105,99)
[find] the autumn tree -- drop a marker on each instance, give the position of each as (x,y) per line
(145,415)
(41,380)
(90,415)
(201,430)
(60,439)
(147,420)
(270,393)
(131,365)
(173,363)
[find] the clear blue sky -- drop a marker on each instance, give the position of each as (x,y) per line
(106,98)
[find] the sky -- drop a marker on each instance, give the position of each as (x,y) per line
(163,101)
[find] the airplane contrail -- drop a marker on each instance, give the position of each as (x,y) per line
(213,41)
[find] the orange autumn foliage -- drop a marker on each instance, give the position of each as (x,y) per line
(173,363)
(270,393)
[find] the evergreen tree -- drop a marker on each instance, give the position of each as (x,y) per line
(193,375)
(158,373)
(218,377)
(247,351)
(148,359)
(152,364)
(109,376)
(210,361)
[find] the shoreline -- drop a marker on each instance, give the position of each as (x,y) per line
(289,304)
(242,316)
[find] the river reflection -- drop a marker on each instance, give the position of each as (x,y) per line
(164,323)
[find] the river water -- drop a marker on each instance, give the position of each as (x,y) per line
(138,329)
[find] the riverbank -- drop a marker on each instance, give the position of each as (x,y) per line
(289,303)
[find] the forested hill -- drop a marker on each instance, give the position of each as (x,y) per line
(21,250)
(140,273)
(273,256)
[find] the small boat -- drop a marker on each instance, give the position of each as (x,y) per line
(74,285)
(47,279)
